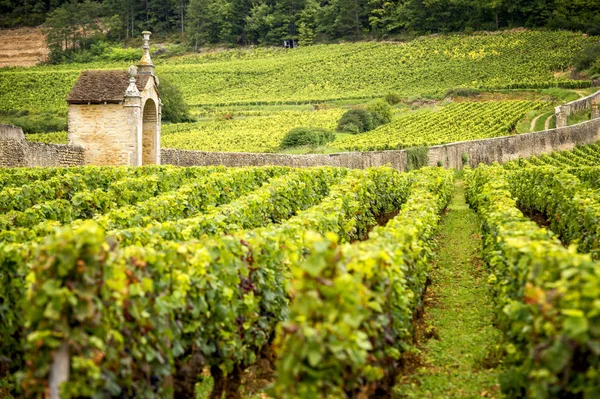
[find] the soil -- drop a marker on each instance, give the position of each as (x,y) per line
(22,47)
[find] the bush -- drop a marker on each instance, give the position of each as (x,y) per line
(34,123)
(381,112)
(588,59)
(417,157)
(174,107)
(355,120)
(392,98)
(312,136)
(465,158)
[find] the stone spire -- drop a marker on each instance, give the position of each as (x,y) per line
(146,67)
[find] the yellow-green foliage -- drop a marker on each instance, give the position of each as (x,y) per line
(257,134)
(456,122)
(429,65)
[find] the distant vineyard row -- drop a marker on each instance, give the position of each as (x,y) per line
(456,122)
(430,65)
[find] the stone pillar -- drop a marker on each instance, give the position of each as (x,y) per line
(158,125)
(595,109)
(561,117)
(133,108)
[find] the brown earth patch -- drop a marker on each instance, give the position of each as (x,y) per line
(22,47)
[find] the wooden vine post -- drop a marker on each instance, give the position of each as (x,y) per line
(59,371)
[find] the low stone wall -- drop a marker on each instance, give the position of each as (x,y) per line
(10,132)
(579,105)
(14,153)
(17,153)
(354,160)
(500,149)
(562,112)
(508,148)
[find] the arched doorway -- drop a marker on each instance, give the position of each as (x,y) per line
(149,138)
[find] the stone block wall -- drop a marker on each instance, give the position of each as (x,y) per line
(508,148)
(21,153)
(14,153)
(563,111)
(500,149)
(354,160)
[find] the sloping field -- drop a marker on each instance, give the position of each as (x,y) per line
(428,65)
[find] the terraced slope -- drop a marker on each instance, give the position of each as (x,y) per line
(22,47)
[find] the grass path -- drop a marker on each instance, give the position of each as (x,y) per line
(458,314)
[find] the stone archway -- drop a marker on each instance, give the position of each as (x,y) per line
(149,133)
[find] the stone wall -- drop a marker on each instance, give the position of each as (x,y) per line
(16,153)
(504,149)
(500,149)
(562,112)
(11,132)
(354,160)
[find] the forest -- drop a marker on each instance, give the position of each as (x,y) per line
(78,25)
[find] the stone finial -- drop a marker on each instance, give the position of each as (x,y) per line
(132,90)
(146,67)
(146,60)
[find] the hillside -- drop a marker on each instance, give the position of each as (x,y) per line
(429,65)
(247,99)
(22,47)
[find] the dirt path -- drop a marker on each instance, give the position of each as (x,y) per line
(533,121)
(458,314)
(547,123)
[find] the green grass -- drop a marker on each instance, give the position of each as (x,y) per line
(459,312)
(541,122)
(524,125)
(561,95)
(579,117)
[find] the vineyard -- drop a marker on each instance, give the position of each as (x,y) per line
(148,278)
(455,122)
(541,246)
(143,271)
(262,131)
(196,282)
(313,74)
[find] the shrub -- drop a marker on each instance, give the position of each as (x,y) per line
(355,120)
(35,123)
(588,59)
(174,107)
(465,158)
(381,112)
(311,136)
(417,157)
(392,98)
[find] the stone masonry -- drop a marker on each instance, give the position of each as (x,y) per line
(116,115)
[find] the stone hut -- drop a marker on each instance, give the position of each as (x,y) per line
(115,115)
